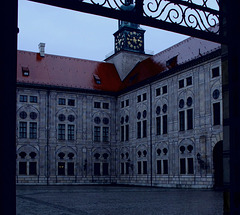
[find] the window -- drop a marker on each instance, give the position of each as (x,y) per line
(122,168)
(144,167)
(61,131)
(215,72)
(127,132)
(96,169)
(97,134)
(71,102)
(158,125)
(159,167)
(70,168)
(70,132)
(165,166)
(145,128)
(216,114)
(190,119)
(139,130)
(181,84)
(61,168)
(23,98)
(105,105)
(25,71)
(139,98)
(139,165)
(164,89)
(165,121)
(22,168)
(189,81)
(33,130)
(62,101)
(182,166)
(33,99)
(181,120)
(23,130)
(97,105)
(190,165)
(97,79)
(127,102)
(158,92)
(122,104)
(105,134)
(144,96)
(32,168)
(122,133)
(105,168)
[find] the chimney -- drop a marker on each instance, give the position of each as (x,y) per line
(41,47)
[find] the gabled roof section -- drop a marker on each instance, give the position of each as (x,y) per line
(67,72)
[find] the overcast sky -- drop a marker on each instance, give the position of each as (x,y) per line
(76,34)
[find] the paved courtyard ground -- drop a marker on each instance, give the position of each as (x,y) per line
(109,200)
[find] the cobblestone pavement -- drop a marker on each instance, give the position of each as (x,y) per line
(109,200)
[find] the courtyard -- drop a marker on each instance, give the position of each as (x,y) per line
(114,200)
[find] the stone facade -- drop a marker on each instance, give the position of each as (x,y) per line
(161,132)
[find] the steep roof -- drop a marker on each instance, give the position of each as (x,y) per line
(67,72)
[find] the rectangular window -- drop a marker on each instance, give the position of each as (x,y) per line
(165,166)
(139,167)
(105,134)
(61,168)
(22,129)
(97,169)
(25,71)
(127,102)
(139,98)
(165,124)
(159,167)
(122,104)
(164,89)
(127,132)
(181,84)
(158,92)
(182,166)
(105,105)
(105,168)
(71,102)
(190,119)
(144,96)
(122,168)
(158,125)
(71,132)
(22,168)
(97,133)
(61,131)
(32,168)
(189,81)
(145,128)
(122,133)
(127,167)
(62,101)
(23,98)
(216,114)
(190,165)
(215,72)
(33,99)
(181,121)
(33,130)
(139,134)
(144,167)
(97,105)
(70,168)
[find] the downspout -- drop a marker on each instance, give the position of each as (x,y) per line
(151,161)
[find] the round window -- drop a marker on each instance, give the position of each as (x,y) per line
(105,121)
(33,115)
(61,117)
(139,115)
(144,114)
(127,119)
(216,94)
(164,109)
(158,110)
(23,115)
(189,101)
(181,103)
(97,120)
(71,118)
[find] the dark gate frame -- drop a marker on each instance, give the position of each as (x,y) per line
(228,36)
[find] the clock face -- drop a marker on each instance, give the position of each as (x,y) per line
(135,40)
(119,42)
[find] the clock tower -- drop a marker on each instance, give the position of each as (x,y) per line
(128,45)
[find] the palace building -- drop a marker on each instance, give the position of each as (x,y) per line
(135,119)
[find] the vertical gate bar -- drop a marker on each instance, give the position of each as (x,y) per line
(8,56)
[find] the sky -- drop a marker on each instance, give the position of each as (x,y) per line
(76,34)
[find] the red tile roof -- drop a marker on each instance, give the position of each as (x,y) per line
(67,72)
